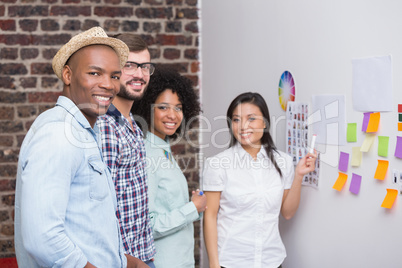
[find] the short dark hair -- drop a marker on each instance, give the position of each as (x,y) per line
(266,139)
(134,42)
(160,81)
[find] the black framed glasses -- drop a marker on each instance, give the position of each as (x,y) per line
(131,67)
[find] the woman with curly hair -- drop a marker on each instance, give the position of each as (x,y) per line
(166,106)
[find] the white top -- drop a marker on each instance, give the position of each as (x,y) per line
(251,198)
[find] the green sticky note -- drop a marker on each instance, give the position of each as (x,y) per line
(351,132)
(400,117)
(383,145)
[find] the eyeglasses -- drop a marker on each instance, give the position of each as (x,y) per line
(131,68)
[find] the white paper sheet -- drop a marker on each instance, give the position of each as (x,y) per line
(372,84)
(331,129)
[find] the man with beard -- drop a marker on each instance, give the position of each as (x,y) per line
(124,152)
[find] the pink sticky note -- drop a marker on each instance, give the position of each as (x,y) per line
(355,183)
(366,120)
(343,162)
(398,149)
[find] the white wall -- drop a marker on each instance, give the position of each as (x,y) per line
(246,45)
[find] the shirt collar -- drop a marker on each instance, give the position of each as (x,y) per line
(155,140)
(242,153)
(114,112)
(70,107)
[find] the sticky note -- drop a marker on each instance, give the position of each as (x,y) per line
(389,198)
(383,145)
(399,108)
(351,132)
(356,157)
(343,162)
(400,118)
(368,141)
(366,119)
(340,182)
(373,123)
(381,170)
(399,126)
(398,149)
(355,183)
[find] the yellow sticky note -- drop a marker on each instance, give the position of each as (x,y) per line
(368,141)
(356,157)
(351,132)
(389,198)
(381,170)
(340,182)
(373,122)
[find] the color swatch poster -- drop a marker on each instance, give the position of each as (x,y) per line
(286,89)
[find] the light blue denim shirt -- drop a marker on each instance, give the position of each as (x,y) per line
(65,200)
(172,214)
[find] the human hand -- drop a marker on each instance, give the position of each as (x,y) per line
(199,200)
(306,164)
(133,262)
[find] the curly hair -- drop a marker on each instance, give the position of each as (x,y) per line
(160,81)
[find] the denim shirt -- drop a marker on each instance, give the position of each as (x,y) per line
(65,200)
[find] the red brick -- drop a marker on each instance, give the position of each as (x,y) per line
(155,53)
(111,25)
(29,53)
(7,229)
(48,53)
(191,2)
(171,53)
(28,25)
(195,67)
(153,2)
(174,2)
(113,2)
(4,214)
(187,13)
(71,1)
(10,126)
(129,26)
(7,82)
(7,185)
(26,111)
(154,13)
(49,82)
(88,24)
(28,11)
(71,11)
(49,40)
(6,113)
(178,67)
(12,97)
(5,141)
(28,82)
(72,25)
(3,9)
(8,200)
(134,2)
(194,79)
(15,39)
(41,68)
(173,26)
(7,25)
(9,53)
(191,54)
(191,27)
(35,97)
(150,27)
(13,68)
(173,40)
(113,12)
(49,25)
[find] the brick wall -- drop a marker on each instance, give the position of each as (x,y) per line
(31,32)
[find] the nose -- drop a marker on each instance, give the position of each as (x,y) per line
(171,113)
(138,73)
(108,83)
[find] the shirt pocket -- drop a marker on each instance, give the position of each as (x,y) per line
(98,186)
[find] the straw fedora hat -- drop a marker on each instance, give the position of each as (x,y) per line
(93,36)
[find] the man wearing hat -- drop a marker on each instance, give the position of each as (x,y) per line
(65,200)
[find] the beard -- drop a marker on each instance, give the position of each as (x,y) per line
(124,93)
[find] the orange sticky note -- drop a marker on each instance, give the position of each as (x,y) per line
(340,182)
(389,198)
(381,170)
(373,122)
(399,126)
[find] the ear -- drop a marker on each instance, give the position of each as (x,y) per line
(66,74)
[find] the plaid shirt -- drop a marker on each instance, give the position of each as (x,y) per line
(124,152)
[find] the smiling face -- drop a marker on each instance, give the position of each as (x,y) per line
(133,86)
(167,114)
(248,126)
(91,79)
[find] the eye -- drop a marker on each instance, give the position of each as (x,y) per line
(161,107)
(146,66)
(178,109)
(235,119)
(116,77)
(251,119)
(94,73)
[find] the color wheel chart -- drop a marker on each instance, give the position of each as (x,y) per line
(286,90)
